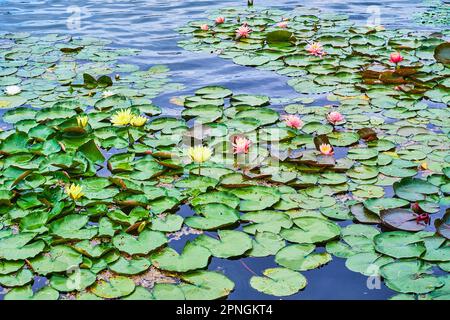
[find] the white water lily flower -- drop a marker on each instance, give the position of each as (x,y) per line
(13,90)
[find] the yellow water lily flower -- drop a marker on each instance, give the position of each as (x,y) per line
(138,121)
(74,191)
(326,149)
(199,154)
(424,166)
(122,117)
(82,121)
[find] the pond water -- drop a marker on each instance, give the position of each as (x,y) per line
(150,26)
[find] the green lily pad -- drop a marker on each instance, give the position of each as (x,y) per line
(216,197)
(410,277)
(256,197)
(442,53)
(311,230)
(205,285)
(193,257)
(414,189)
(367,263)
(18,246)
(379,204)
(129,267)
(26,293)
(71,227)
(266,220)
(212,216)
(76,281)
(18,279)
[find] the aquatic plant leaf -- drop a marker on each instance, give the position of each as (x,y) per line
(133,266)
(115,287)
(401,219)
(414,189)
(225,246)
(193,257)
(18,246)
(201,183)
(279,282)
(144,243)
(256,197)
(266,244)
(223,197)
(266,220)
(18,279)
(443,225)
(7,267)
(205,285)
(377,205)
(78,280)
(169,223)
(71,227)
(311,230)
(26,293)
(410,276)
(367,263)
(60,258)
(212,216)
(301,257)
(442,53)
(399,244)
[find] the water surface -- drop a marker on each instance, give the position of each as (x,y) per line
(150,26)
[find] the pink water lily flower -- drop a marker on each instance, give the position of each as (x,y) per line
(241,145)
(326,149)
(282,24)
(395,57)
(335,117)
(220,20)
(243,31)
(315,49)
(204,27)
(293,121)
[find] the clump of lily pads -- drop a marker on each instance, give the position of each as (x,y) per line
(242,163)
(436,14)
